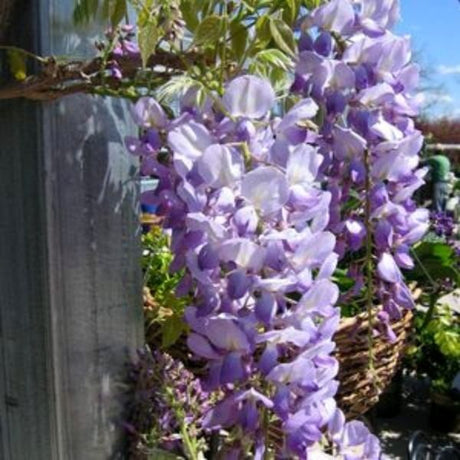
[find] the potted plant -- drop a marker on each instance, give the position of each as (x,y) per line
(436,354)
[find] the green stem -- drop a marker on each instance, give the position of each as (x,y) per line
(431,308)
(369,266)
(188,444)
(424,270)
(266,423)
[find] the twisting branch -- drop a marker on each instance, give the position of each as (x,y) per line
(59,79)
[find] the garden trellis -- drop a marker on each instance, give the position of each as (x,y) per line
(260,209)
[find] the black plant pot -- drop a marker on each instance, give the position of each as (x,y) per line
(444,413)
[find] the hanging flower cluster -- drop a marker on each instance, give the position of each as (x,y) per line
(248,221)
(361,76)
(261,209)
(247,217)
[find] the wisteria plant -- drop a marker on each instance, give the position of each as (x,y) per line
(281,134)
(262,209)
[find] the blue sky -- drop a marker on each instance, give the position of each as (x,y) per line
(435,29)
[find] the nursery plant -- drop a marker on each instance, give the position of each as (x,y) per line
(435,351)
(281,134)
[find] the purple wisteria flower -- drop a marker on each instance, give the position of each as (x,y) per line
(364,84)
(261,209)
(249,228)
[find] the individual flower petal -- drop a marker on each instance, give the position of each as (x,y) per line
(376,95)
(198,221)
(387,269)
(188,142)
(328,267)
(243,253)
(300,371)
(220,166)
(323,44)
(303,164)
(336,425)
(335,16)
(382,13)
(313,251)
(286,335)
(248,96)
(226,334)
(266,188)
(238,283)
(246,220)
(321,295)
(269,358)
(208,258)
(265,307)
(403,296)
(232,368)
(403,259)
(223,415)
(293,124)
(201,347)
(147,113)
(356,233)
(348,144)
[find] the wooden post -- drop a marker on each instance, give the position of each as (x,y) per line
(70,281)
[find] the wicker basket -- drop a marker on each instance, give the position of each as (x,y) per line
(359,388)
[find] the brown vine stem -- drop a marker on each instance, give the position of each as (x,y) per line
(59,79)
(369,266)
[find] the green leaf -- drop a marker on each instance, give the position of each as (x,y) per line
(176,86)
(291,11)
(439,250)
(172,330)
(283,36)
(91,7)
(148,39)
(113,10)
(81,12)
(312,4)
(209,31)
(263,32)
(437,259)
(206,6)
(188,10)
(275,58)
(239,36)
(118,12)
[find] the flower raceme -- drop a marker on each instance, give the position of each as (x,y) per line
(255,207)
(361,77)
(247,217)
(250,230)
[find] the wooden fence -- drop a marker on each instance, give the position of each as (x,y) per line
(70,282)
